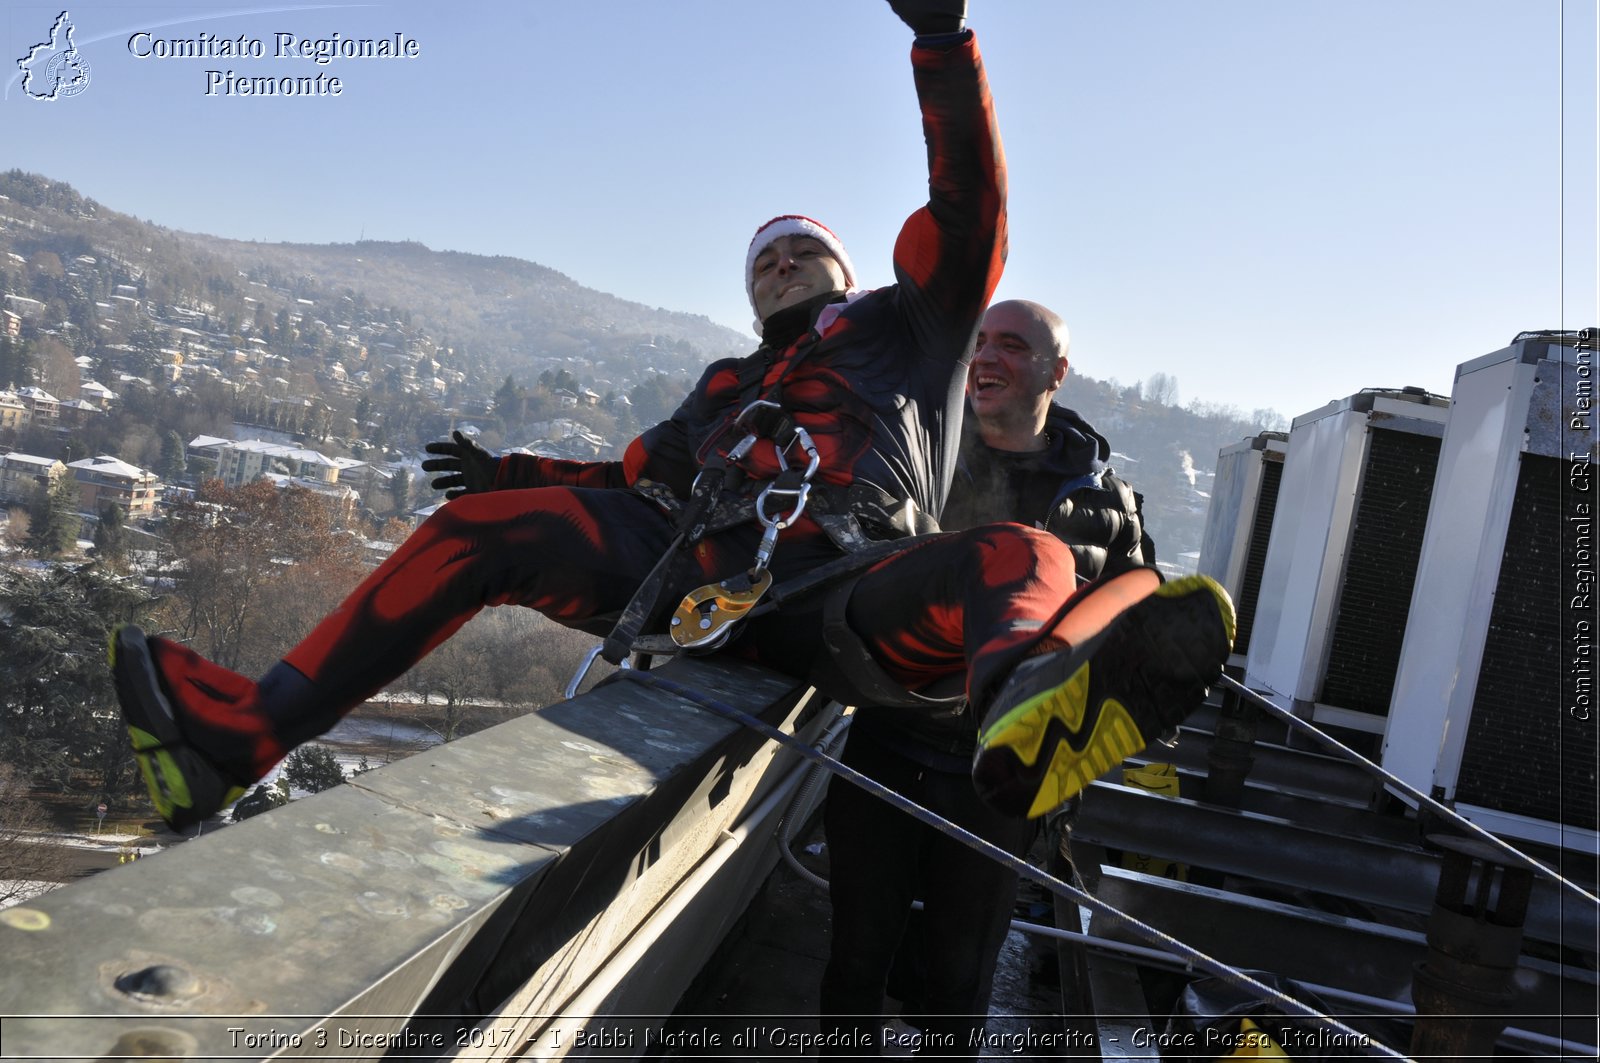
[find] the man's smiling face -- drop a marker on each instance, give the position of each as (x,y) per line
(791,270)
(1015,365)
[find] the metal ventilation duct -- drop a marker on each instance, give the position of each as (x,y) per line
(1493,701)
(1239,523)
(1336,584)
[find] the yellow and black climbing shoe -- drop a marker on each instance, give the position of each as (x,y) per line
(184,785)
(1065,718)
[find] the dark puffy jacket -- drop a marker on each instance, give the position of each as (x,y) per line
(1068,489)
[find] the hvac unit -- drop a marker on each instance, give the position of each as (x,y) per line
(1336,586)
(1239,524)
(1494,701)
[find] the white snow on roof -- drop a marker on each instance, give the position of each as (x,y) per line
(105,463)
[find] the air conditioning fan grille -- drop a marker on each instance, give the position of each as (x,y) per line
(1380,570)
(1255,559)
(1525,753)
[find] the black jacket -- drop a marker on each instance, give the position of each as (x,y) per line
(1069,490)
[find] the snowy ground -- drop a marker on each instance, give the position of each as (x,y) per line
(379,740)
(132,846)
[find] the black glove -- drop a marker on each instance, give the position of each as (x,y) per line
(467,467)
(926,17)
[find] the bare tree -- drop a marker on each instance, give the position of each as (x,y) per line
(28,857)
(16,529)
(458,671)
(260,566)
(502,663)
(57,369)
(1161,388)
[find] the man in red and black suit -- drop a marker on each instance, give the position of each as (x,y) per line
(873,381)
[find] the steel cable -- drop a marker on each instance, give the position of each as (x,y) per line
(1159,938)
(1394,780)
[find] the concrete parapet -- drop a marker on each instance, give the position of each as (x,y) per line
(496,876)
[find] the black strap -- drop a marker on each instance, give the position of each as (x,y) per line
(646,600)
(867,681)
(827,575)
(625,632)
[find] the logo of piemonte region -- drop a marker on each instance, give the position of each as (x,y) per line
(55,69)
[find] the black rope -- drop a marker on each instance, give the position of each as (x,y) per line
(1156,937)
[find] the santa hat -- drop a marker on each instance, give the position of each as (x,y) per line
(794,225)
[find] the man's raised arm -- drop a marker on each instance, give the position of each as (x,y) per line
(950,253)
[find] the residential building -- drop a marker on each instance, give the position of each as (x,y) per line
(75,412)
(22,474)
(105,479)
(43,407)
(97,393)
(14,413)
(342,500)
(241,461)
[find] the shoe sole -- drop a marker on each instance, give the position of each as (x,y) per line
(1109,704)
(158,743)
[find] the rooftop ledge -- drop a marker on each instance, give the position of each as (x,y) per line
(472,901)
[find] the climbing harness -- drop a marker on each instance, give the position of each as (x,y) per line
(1193,957)
(707,615)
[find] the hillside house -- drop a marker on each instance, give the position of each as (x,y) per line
(21,475)
(97,393)
(104,479)
(74,413)
(14,413)
(341,499)
(43,407)
(241,461)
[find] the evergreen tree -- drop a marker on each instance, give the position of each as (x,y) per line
(313,768)
(508,402)
(13,362)
(53,522)
(400,491)
(111,537)
(263,798)
(172,465)
(57,708)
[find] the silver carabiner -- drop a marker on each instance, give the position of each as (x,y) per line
(739,450)
(773,524)
(779,522)
(744,414)
(813,459)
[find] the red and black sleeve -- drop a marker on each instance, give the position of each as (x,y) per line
(529,470)
(950,253)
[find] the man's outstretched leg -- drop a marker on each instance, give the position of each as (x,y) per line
(1066,686)
(1113,684)
(201,733)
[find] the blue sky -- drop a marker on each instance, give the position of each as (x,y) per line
(1277,203)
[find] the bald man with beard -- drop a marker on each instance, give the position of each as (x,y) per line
(1026,459)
